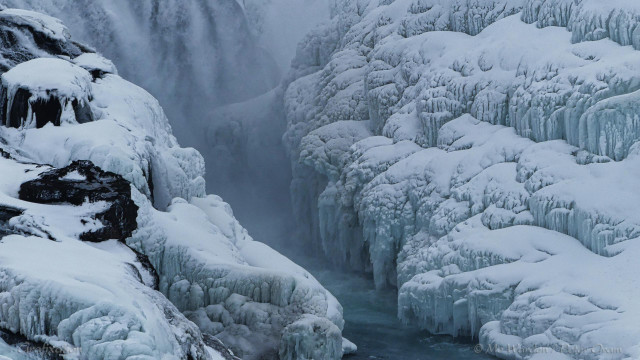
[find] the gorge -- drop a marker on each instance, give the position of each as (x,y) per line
(424,178)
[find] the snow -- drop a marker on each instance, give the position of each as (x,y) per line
(217,30)
(9,353)
(493,177)
(74,176)
(93,61)
(45,81)
(311,338)
(96,303)
(348,347)
(40,75)
(45,24)
(226,282)
(131,137)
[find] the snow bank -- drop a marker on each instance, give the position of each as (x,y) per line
(88,299)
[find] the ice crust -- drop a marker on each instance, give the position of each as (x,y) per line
(99,299)
(482,157)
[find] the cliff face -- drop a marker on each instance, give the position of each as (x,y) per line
(110,246)
(481,156)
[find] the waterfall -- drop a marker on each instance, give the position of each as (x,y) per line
(191,55)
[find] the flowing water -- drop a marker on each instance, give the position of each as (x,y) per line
(371,321)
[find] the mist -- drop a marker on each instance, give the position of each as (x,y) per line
(215,67)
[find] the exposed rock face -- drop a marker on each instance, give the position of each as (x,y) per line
(83,182)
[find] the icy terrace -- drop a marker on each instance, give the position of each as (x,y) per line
(482,156)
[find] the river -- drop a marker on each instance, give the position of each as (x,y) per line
(372,324)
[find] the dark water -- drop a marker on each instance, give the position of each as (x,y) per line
(371,321)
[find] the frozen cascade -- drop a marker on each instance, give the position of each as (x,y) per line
(483,160)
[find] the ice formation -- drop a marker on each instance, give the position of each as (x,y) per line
(44,91)
(166,278)
(482,157)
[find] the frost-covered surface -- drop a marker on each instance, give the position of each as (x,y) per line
(35,89)
(229,285)
(482,156)
(42,24)
(70,295)
(189,270)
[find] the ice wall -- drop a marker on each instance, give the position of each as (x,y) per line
(471,153)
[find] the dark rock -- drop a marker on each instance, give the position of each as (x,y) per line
(19,108)
(97,74)
(6,213)
(45,110)
(83,112)
(119,220)
(19,43)
(149,176)
(148,267)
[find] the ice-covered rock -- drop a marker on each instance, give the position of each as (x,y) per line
(311,338)
(28,35)
(228,63)
(83,182)
(495,170)
(96,64)
(43,91)
(40,23)
(238,289)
